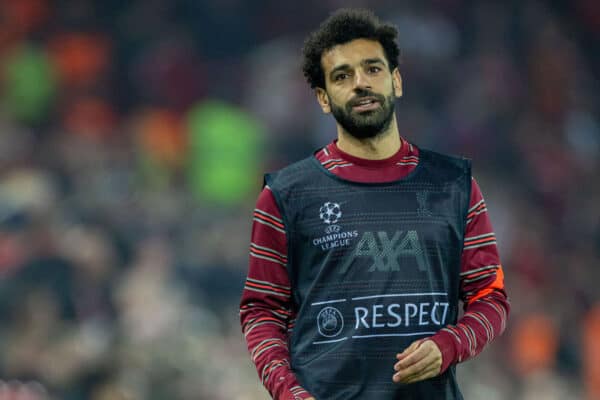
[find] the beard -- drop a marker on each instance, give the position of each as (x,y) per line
(365,124)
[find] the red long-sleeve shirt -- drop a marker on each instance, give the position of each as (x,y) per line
(267,313)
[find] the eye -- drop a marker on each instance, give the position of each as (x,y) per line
(340,77)
(373,69)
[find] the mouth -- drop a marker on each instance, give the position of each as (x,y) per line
(365,104)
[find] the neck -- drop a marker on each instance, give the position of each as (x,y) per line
(382,146)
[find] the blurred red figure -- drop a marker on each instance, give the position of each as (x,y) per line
(16,390)
(591,353)
(82,59)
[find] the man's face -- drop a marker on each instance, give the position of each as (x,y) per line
(360,89)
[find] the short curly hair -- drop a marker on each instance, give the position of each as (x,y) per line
(342,27)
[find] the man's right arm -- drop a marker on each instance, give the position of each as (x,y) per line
(266,311)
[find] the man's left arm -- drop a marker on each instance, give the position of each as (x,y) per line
(485,302)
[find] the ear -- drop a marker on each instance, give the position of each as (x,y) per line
(397,82)
(323,100)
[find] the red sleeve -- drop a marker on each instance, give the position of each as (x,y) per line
(482,291)
(266,312)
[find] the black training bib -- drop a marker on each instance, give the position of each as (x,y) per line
(373,267)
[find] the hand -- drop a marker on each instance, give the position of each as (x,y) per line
(421,360)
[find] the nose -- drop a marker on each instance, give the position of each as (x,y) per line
(361,81)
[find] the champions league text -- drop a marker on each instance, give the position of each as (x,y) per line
(334,240)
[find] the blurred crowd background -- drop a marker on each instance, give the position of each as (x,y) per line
(134,135)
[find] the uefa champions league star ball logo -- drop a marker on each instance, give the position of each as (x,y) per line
(330,322)
(335,237)
(330,213)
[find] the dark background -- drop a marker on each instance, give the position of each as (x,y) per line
(133,136)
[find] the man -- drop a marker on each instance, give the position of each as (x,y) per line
(361,252)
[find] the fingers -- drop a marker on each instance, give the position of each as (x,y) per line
(421,360)
(413,346)
(415,369)
(430,372)
(411,355)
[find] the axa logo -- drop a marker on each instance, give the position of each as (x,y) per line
(384,252)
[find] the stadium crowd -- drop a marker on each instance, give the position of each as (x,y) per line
(133,136)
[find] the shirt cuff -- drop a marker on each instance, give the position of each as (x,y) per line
(300,396)
(290,389)
(296,393)
(445,342)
